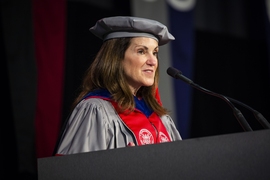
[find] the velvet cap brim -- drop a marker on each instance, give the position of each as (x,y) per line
(128,26)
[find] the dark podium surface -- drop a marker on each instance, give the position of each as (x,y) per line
(244,155)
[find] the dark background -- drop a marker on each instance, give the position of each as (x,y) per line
(231,58)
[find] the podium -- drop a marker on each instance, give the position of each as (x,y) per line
(244,155)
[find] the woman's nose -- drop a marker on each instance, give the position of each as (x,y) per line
(152,60)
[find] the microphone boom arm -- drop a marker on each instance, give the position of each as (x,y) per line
(261,119)
(239,116)
(175,73)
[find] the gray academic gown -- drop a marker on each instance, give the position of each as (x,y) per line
(94,125)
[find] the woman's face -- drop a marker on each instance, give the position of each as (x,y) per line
(140,62)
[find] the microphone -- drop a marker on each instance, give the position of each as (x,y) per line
(177,74)
(260,118)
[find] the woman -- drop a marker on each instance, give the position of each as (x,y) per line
(119,104)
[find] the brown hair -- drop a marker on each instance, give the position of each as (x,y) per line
(106,72)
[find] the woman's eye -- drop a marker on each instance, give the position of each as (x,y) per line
(155,54)
(141,51)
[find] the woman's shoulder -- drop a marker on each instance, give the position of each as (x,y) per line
(95,104)
(95,99)
(92,108)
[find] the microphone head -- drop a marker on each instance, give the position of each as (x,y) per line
(173,72)
(177,74)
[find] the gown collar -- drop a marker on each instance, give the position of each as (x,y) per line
(105,94)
